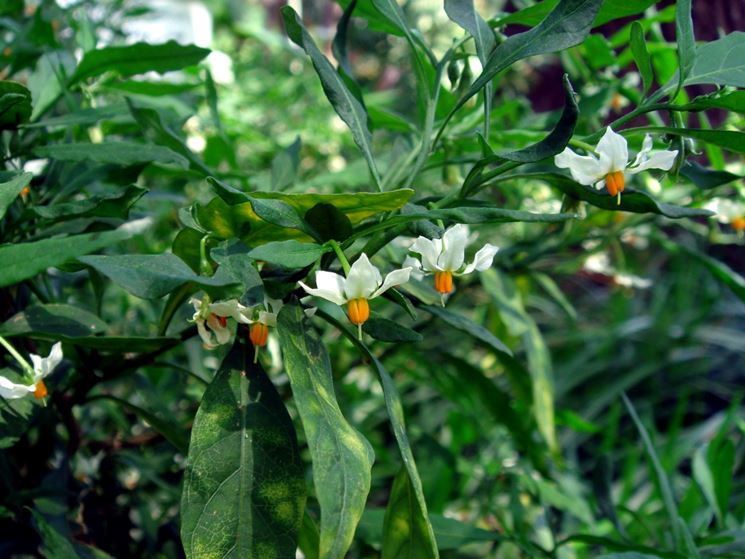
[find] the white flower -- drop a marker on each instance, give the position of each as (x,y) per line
(363,282)
(445,257)
(728,211)
(42,367)
(212,319)
(612,166)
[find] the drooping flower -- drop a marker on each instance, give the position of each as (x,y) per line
(261,317)
(445,257)
(212,319)
(363,282)
(611,166)
(731,212)
(42,367)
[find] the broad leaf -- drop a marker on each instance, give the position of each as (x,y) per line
(53,320)
(706,178)
(137,59)
(149,276)
(684,39)
(24,260)
(328,222)
(386,330)
(114,205)
(289,254)
(641,56)
(342,457)
(118,153)
(10,190)
(728,139)
(720,62)
(608,12)
(344,102)
(244,488)
(15,104)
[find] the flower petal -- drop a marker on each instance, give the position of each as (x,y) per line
(330,286)
(268,318)
(646,148)
(453,248)
(585,169)
(416,267)
(615,149)
(205,334)
(396,277)
(658,160)
(222,333)
(231,308)
(483,259)
(429,250)
(362,280)
(11,391)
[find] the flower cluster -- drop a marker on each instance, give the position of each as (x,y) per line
(41,368)
(442,257)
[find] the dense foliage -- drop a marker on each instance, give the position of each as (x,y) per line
(416,281)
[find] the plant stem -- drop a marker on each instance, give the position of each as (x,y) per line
(340,255)
(17,356)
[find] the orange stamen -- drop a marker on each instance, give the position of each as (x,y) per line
(223,320)
(41,390)
(358,311)
(258,334)
(444,282)
(738,224)
(615,182)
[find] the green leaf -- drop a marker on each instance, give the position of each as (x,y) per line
(151,89)
(328,222)
(342,457)
(719,270)
(10,190)
(349,109)
(234,214)
(417,513)
(406,531)
(386,330)
(706,178)
(466,325)
(449,533)
(608,12)
(289,254)
(53,320)
(15,105)
(138,58)
(115,205)
(632,200)
(641,56)
(464,14)
(46,82)
(684,39)
(720,62)
(118,153)
(729,101)
(54,544)
(244,487)
(566,26)
(83,117)
(150,276)
(727,139)
(24,260)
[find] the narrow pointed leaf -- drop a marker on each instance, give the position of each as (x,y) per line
(117,153)
(641,55)
(349,109)
(342,457)
(685,40)
(244,488)
(10,190)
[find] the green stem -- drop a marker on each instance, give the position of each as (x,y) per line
(205,268)
(340,255)
(17,356)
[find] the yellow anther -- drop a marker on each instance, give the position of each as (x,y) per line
(358,311)
(615,182)
(738,224)
(258,334)
(41,390)
(444,282)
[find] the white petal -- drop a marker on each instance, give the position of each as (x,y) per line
(396,277)
(330,286)
(310,311)
(646,148)
(38,363)
(231,308)
(416,267)
(429,251)
(11,391)
(585,169)
(205,334)
(50,363)
(273,305)
(658,160)
(268,318)
(453,248)
(615,149)
(222,333)
(363,279)
(483,259)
